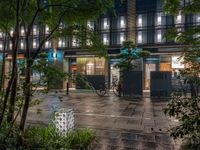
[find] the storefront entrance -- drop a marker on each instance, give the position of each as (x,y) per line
(148,68)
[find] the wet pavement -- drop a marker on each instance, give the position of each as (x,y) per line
(137,124)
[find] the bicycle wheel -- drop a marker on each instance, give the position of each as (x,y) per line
(101,91)
(116,91)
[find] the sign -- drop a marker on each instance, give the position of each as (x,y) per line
(177,62)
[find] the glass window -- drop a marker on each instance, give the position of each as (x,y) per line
(197,17)
(159,19)
(34,43)
(159,36)
(139,20)
(90,68)
(22,44)
(35,30)
(22,31)
(106,24)
(1,45)
(90,25)
(10,45)
(139,38)
(62,42)
(179,18)
(122,37)
(75,42)
(105,39)
(122,22)
(1,34)
(47,44)
(46,29)
(11,32)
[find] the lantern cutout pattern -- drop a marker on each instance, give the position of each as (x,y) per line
(64,121)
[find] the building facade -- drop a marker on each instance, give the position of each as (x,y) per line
(152,25)
(142,21)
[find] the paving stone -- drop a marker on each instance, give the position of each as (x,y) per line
(119,124)
(129,136)
(130,143)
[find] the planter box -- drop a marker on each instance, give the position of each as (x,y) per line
(161,84)
(95,80)
(132,83)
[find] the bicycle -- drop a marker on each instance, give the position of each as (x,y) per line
(104,88)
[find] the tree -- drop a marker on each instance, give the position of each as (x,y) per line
(72,14)
(186,109)
(129,56)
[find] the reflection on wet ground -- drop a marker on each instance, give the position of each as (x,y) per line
(120,124)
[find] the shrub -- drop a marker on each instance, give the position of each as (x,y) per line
(80,139)
(50,138)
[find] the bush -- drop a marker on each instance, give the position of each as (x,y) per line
(38,137)
(50,138)
(80,139)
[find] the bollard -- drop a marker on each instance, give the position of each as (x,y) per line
(119,89)
(67,89)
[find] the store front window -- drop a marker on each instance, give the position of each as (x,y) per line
(91,66)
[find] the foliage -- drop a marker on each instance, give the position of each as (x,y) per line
(80,139)
(38,137)
(128,58)
(186,109)
(65,19)
(8,137)
(43,137)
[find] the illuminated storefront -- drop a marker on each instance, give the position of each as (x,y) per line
(173,63)
(92,66)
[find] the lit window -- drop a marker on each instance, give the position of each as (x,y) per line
(90,25)
(88,42)
(54,54)
(1,45)
(34,43)
(59,42)
(105,39)
(61,26)
(63,43)
(22,44)
(139,37)
(47,29)
(139,20)
(198,19)
(22,31)
(122,37)
(34,30)
(74,42)
(122,22)
(105,23)
(159,19)
(47,44)
(159,36)
(179,19)
(10,45)
(1,34)
(11,32)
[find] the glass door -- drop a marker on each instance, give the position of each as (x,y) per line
(148,69)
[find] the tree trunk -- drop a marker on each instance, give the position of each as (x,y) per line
(10,87)
(12,99)
(14,85)
(3,64)
(27,92)
(6,100)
